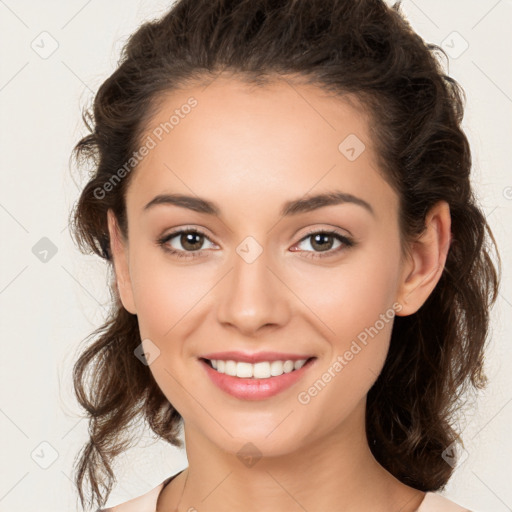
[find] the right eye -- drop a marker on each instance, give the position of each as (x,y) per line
(191,241)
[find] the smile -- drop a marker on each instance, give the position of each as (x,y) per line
(261,370)
(258,380)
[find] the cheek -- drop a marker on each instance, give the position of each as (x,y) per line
(165,295)
(353,304)
(169,300)
(350,297)
(356,351)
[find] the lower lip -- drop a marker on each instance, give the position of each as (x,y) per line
(255,389)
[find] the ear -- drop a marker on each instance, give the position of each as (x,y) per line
(119,250)
(426,262)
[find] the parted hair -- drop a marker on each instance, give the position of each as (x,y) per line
(362,48)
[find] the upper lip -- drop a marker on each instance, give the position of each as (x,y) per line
(255,357)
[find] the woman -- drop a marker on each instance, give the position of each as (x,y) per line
(301,274)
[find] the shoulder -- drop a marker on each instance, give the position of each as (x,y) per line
(145,503)
(434,502)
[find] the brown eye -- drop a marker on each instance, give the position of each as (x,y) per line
(191,241)
(179,243)
(323,242)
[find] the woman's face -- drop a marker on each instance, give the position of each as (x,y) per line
(253,279)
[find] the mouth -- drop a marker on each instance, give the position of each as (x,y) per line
(259,370)
(257,380)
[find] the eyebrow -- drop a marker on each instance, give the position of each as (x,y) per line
(289,208)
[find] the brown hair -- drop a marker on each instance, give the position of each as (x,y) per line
(360,47)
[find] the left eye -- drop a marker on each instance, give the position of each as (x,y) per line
(322,242)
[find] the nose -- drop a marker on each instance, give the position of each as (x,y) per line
(252,297)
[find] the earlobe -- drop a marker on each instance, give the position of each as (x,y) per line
(119,251)
(427,259)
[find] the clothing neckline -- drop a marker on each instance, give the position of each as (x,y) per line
(167,481)
(428,499)
(422,501)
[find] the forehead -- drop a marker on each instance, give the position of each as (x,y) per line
(251,146)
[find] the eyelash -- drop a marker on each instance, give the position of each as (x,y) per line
(347,243)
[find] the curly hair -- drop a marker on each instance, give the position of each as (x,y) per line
(368,50)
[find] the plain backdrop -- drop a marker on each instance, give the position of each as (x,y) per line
(55,54)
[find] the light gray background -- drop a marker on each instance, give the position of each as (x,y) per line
(48,307)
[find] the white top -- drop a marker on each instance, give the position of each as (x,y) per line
(433,502)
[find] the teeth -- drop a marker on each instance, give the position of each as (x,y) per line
(261,370)
(299,364)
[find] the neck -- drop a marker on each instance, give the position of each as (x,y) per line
(335,472)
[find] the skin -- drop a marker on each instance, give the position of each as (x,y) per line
(250,151)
